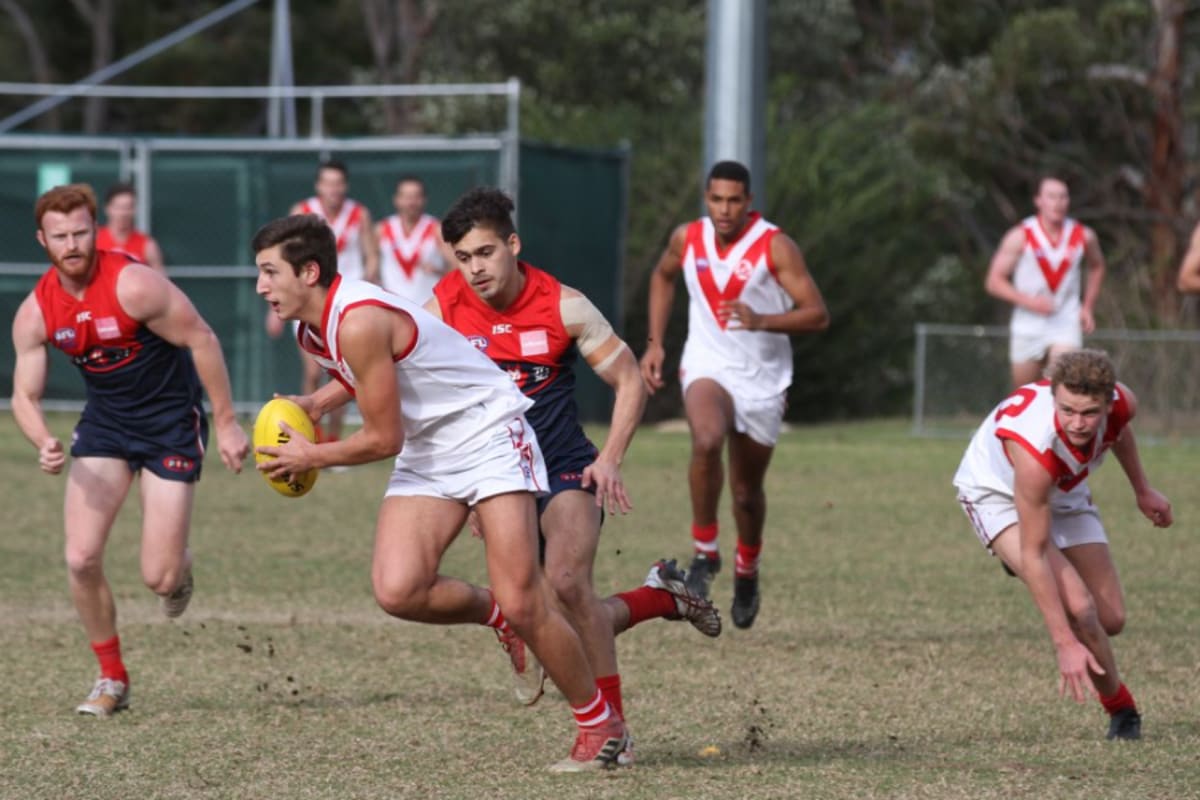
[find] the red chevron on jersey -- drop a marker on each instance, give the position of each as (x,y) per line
(1052,273)
(343,224)
(407,248)
(757,251)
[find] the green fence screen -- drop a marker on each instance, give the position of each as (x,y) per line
(205,206)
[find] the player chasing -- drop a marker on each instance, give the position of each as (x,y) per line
(1023,485)
(144,354)
(533,328)
(749,289)
(1037,270)
(456,426)
(412,255)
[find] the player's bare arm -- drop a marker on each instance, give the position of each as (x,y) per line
(999,277)
(1032,486)
(29,385)
(1093,259)
(1189,271)
(150,298)
(367,339)
(370,248)
(433,307)
(329,397)
(611,359)
(662,294)
(1152,503)
(809,313)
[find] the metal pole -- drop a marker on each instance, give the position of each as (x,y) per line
(141,184)
(919,381)
(735,87)
(316,119)
(510,154)
(117,67)
(281,113)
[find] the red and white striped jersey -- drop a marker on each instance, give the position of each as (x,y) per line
(402,256)
(450,392)
(1027,418)
(759,362)
(1049,268)
(347,229)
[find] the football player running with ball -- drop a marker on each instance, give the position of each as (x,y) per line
(1023,485)
(456,427)
(144,354)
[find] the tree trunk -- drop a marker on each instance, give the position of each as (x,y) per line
(398,29)
(1164,189)
(39,65)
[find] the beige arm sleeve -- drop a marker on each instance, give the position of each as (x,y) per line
(593,334)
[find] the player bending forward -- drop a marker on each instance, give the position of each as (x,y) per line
(144,353)
(1022,483)
(456,426)
(533,327)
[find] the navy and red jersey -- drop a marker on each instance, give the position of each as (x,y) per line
(529,341)
(134,378)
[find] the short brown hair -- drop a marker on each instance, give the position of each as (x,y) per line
(304,238)
(1086,372)
(64,200)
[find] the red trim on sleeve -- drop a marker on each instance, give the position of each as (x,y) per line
(381,304)
(1044,457)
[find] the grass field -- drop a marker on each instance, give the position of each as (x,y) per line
(891,657)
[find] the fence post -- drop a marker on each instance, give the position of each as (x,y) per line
(919,380)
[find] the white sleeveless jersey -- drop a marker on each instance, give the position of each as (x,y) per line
(1049,269)
(451,395)
(347,230)
(402,254)
(757,363)
(1027,418)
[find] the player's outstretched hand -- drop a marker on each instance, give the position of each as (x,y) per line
(293,457)
(1087,321)
(1155,506)
(610,489)
(233,445)
(51,456)
(651,365)
(1074,663)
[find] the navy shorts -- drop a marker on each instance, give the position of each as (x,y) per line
(564,474)
(174,452)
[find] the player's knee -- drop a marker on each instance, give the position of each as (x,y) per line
(522,609)
(706,442)
(748,498)
(84,562)
(571,590)
(1083,617)
(162,579)
(1113,621)
(401,599)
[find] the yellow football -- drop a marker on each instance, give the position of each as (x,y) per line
(267,433)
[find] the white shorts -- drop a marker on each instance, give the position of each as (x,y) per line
(508,460)
(992,515)
(760,419)
(1035,347)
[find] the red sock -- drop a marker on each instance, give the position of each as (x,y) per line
(1120,701)
(745,565)
(704,539)
(610,687)
(593,713)
(646,602)
(108,653)
(495,618)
